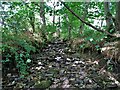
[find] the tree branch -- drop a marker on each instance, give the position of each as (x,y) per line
(86,22)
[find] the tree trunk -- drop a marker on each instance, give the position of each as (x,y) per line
(118,15)
(59,27)
(32,21)
(86,5)
(69,27)
(54,14)
(109,22)
(69,32)
(42,15)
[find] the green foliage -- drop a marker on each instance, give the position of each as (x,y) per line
(92,39)
(93,36)
(21,64)
(17,48)
(49,31)
(64,34)
(22,15)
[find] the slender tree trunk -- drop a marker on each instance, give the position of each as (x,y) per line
(69,27)
(2,17)
(118,15)
(42,15)
(69,32)
(59,27)
(109,22)
(32,21)
(86,5)
(54,13)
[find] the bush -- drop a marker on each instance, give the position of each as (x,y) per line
(16,50)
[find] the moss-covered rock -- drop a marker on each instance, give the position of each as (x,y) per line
(43,84)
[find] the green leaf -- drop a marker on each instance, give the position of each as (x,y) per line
(28,61)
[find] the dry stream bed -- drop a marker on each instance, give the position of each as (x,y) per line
(56,66)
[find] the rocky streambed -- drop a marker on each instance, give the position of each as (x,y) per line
(57,66)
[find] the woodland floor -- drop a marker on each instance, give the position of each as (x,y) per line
(56,66)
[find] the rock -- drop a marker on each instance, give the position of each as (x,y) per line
(30,84)
(68,59)
(112,85)
(62,72)
(58,58)
(39,63)
(66,84)
(73,65)
(38,68)
(67,63)
(50,66)
(72,79)
(9,75)
(43,84)
(20,85)
(13,83)
(17,79)
(78,81)
(86,81)
(25,81)
(76,62)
